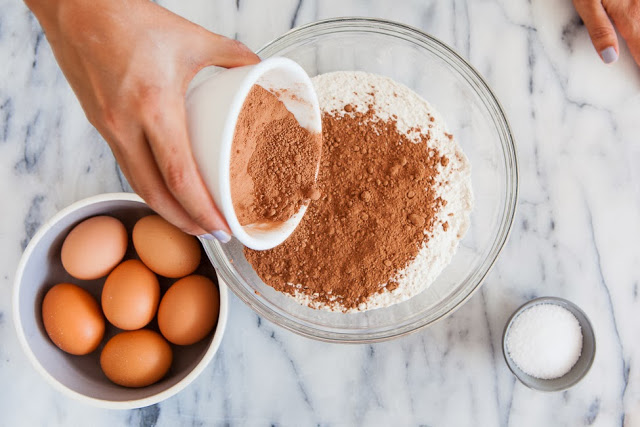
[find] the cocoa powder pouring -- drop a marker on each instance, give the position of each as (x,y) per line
(274,161)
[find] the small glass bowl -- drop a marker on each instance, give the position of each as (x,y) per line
(473,115)
(578,371)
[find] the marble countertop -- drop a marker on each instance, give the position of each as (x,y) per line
(577,125)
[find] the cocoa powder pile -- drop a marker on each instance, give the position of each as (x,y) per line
(273,161)
(376,208)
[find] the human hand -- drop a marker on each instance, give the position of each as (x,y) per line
(129,63)
(600,16)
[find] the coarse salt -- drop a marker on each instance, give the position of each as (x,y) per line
(545,341)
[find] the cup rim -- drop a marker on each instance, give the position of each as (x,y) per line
(587,329)
(26,348)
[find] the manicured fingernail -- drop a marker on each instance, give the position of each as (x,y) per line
(222,236)
(609,55)
(218,235)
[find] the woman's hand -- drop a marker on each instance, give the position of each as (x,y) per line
(129,63)
(600,16)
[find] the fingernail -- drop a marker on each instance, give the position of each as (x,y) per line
(218,235)
(609,55)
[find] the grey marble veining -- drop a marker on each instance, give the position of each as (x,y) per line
(577,125)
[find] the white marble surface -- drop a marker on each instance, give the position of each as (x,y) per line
(577,124)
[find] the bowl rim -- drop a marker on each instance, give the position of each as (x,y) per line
(360,24)
(587,329)
(26,348)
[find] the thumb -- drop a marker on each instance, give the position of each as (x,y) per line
(603,35)
(214,49)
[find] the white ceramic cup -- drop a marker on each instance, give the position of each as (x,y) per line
(213,103)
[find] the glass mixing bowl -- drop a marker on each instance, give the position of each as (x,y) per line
(472,114)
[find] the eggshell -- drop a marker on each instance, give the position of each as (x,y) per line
(72,319)
(189,310)
(136,358)
(164,248)
(130,295)
(94,247)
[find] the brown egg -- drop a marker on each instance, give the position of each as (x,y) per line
(189,310)
(94,247)
(72,319)
(130,295)
(136,358)
(164,248)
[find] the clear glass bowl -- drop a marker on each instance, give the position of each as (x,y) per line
(473,115)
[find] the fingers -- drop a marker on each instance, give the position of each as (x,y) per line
(214,49)
(138,165)
(168,138)
(206,48)
(601,31)
(634,47)
(626,18)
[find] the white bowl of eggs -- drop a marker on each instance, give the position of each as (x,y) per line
(116,307)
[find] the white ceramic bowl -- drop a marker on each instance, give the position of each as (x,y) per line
(213,103)
(81,377)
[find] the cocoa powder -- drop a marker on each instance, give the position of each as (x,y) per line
(273,161)
(377,207)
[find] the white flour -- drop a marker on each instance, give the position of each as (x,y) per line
(391,100)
